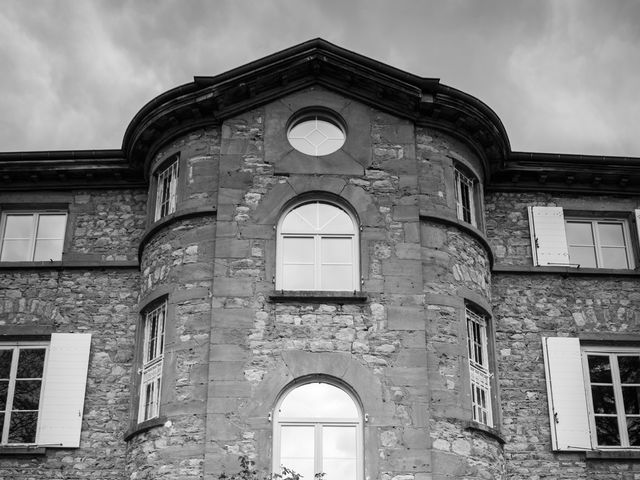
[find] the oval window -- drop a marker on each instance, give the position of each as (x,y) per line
(316,135)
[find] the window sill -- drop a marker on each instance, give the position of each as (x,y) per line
(22,450)
(314,296)
(613,455)
(139,428)
(564,270)
(80,264)
(490,431)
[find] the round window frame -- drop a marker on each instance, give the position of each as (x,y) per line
(315,113)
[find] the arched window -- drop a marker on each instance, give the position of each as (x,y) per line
(317,248)
(318,429)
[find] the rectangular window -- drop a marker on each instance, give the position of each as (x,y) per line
(21,375)
(152,356)
(32,236)
(582,242)
(42,387)
(613,394)
(464,198)
(479,370)
(166,191)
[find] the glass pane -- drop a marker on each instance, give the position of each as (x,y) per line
(583,256)
(297,449)
(579,233)
(5,363)
(318,400)
(52,226)
(298,250)
(22,428)
(48,250)
(301,219)
(631,398)
(31,363)
(333,219)
(16,251)
(339,452)
(629,366)
(633,428)
(614,257)
(27,395)
(19,226)
(599,369)
(607,431)
(336,250)
(298,277)
(4,388)
(603,399)
(611,234)
(337,277)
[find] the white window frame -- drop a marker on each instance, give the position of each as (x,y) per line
(465,191)
(166,190)
(283,284)
(318,424)
(621,415)
(33,239)
(15,348)
(480,375)
(152,362)
(597,243)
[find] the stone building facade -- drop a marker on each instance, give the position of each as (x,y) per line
(319,261)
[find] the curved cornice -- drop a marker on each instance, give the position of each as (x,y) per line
(209,100)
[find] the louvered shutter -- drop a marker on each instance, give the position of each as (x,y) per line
(566,393)
(65,383)
(548,237)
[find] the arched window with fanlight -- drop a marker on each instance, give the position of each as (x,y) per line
(317,248)
(318,429)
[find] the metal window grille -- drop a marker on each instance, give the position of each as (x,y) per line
(479,373)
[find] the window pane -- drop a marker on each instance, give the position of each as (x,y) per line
(4,388)
(22,428)
(19,226)
(599,369)
(300,220)
(611,234)
(297,449)
(298,277)
(51,226)
(629,366)
(603,399)
(318,400)
(336,250)
(337,277)
(30,363)
(583,256)
(614,257)
(579,233)
(5,362)
(333,219)
(26,395)
(607,431)
(633,428)
(631,396)
(339,446)
(298,250)
(16,250)
(48,250)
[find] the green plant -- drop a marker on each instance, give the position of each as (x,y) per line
(248,472)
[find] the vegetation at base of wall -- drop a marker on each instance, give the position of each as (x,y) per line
(249,472)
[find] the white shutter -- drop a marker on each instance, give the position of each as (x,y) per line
(548,237)
(65,380)
(567,395)
(638,222)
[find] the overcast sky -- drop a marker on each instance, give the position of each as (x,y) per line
(563,76)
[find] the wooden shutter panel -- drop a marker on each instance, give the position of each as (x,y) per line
(548,237)
(64,388)
(566,393)
(637,224)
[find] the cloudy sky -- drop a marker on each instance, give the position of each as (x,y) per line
(563,75)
